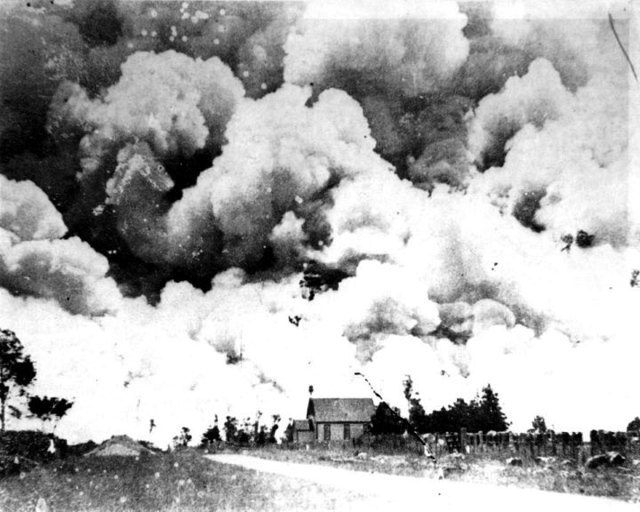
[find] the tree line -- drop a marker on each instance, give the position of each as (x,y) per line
(483,413)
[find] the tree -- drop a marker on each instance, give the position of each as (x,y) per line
(261,437)
(634,425)
(230,429)
(274,428)
(539,425)
(490,412)
(484,413)
(288,432)
(417,415)
(16,372)
(183,438)
(47,408)
(211,435)
(244,434)
(387,420)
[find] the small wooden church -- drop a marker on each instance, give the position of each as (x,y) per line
(334,419)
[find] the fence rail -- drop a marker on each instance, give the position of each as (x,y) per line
(571,445)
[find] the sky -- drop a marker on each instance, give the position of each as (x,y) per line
(206,207)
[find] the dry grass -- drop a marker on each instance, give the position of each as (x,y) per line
(166,482)
(186,481)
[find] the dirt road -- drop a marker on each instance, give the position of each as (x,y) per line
(388,492)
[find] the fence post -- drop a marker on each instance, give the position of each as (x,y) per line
(547,443)
(622,442)
(594,441)
(463,440)
(580,441)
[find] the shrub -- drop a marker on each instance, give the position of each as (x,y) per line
(634,425)
(27,447)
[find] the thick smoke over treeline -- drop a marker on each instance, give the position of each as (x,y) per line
(207,206)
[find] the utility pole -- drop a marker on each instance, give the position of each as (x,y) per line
(410,429)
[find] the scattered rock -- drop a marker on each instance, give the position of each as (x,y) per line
(616,458)
(514,461)
(597,461)
(609,459)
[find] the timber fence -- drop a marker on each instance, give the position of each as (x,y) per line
(568,445)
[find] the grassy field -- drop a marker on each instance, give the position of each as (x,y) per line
(184,480)
(559,475)
(165,482)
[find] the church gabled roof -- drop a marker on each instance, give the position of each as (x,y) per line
(356,410)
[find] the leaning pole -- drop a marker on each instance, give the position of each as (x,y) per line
(410,429)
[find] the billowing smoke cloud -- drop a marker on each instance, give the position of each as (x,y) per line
(568,163)
(575,39)
(174,103)
(27,212)
(379,301)
(409,48)
(532,99)
(34,261)
(268,219)
(382,55)
(166,107)
(281,158)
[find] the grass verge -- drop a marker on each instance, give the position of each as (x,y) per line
(165,482)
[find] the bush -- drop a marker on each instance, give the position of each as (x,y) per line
(28,447)
(634,425)
(387,420)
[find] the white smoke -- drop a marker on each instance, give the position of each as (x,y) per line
(458,286)
(409,48)
(281,155)
(35,261)
(173,102)
(532,99)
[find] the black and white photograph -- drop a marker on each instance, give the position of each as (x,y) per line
(319,255)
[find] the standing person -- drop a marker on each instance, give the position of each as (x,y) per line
(52,445)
